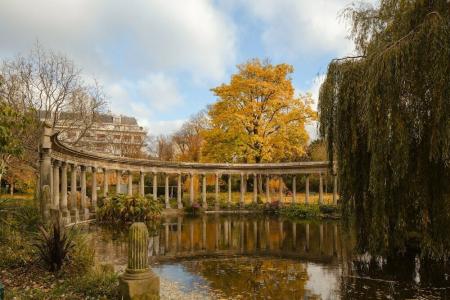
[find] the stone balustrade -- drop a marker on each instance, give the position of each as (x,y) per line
(57,159)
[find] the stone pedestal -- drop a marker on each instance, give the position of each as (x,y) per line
(135,285)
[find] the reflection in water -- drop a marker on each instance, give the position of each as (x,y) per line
(261,257)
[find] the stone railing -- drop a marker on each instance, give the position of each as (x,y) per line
(57,159)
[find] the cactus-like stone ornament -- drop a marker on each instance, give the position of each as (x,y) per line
(138,281)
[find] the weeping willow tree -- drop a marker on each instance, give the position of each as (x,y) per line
(386,117)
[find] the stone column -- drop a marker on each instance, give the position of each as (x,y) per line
(229,190)
(294,189)
(216,194)
(255,188)
(141,183)
(73,193)
(241,199)
(130,183)
(63,203)
(94,190)
(166,191)
(155,186)
(307,189)
(105,182)
(268,189)
(118,179)
(191,189)
(320,189)
(334,189)
(45,170)
(84,209)
(204,203)
(179,203)
(55,197)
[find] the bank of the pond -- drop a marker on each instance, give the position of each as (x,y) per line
(27,255)
(292,211)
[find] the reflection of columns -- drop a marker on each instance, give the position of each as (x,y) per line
(294,189)
(267,188)
(84,209)
(216,195)
(166,191)
(255,188)
(241,199)
(204,204)
(255,234)
(118,179)
(63,203)
(73,191)
(294,235)
(320,237)
(307,236)
(141,183)
(191,235)
(229,190)
(334,189)
(179,203)
(191,189)
(94,190)
(268,240)
(225,232)
(105,182)
(281,233)
(179,221)
(335,236)
(241,233)
(155,186)
(166,237)
(55,197)
(203,232)
(130,183)
(307,189)
(320,189)
(216,224)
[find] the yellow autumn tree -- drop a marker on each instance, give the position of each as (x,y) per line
(257,118)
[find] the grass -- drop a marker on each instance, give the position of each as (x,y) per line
(248,198)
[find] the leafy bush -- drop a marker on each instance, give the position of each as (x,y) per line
(328,209)
(193,209)
(122,208)
(272,207)
(300,211)
(53,245)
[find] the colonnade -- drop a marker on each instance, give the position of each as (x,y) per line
(57,160)
(60,195)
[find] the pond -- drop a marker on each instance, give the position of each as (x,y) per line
(258,257)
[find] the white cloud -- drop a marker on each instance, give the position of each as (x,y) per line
(301,27)
(144,98)
(164,127)
(108,37)
(159,91)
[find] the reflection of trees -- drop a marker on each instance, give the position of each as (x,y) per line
(255,278)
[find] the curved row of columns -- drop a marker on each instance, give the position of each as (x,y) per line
(59,187)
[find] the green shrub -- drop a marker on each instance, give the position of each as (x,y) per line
(301,211)
(193,209)
(122,208)
(328,209)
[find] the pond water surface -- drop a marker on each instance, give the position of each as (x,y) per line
(256,257)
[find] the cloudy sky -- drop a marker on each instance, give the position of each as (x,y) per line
(158,59)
